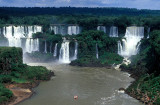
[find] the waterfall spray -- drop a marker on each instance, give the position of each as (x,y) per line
(64,52)
(75,51)
(55,50)
(45,47)
(113,31)
(132,37)
(97,56)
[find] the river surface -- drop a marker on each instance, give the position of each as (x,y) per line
(93,86)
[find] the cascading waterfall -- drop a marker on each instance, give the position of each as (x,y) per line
(73,30)
(131,42)
(113,31)
(75,51)
(97,56)
(148,31)
(15,34)
(55,50)
(119,47)
(65,29)
(50,47)
(64,52)
(45,47)
(31,45)
(101,28)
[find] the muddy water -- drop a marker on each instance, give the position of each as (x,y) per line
(93,86)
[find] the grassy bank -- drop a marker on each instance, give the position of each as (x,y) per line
(146,89)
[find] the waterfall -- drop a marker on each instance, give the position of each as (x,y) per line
(65,29)
(15,34)
(97,56)
(50,47)
(101,28)
(31,45)
(75,51)
(45,47)
(148,31)
(73,30)
(64,52)
(132,38)
(113,31)
(55,50)
(119,47)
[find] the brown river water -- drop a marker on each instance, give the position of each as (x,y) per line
(93,86)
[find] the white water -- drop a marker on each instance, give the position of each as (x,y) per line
(75,51)
(55,50)
(65,29)
(50,47)
(129,45)
(15,34)
(97,56)
(73,30)
(148,32)
(113,31)
(45,47)
(101,28)
(64,52)
(31,45)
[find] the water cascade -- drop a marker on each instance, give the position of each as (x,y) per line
(75,51)
(73,30)
(50,47)
(97,56)
(59,29)
(31,45)
(101,28)
(113,31)
(15,35)
(65,29)
(64,52)
(131,43)
(55,50)
(148,31)
(45,47)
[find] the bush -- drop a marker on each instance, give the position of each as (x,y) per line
(9,57)
(36,73)
(5,78)
(5,94)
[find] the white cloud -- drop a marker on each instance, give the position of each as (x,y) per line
(140,4)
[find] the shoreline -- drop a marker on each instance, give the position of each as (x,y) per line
(23,91)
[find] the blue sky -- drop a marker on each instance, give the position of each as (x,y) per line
(140,4)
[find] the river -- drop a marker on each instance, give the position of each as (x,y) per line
(93,86)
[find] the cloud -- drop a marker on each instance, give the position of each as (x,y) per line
(140,4)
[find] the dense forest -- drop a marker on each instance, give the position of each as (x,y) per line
(23,11)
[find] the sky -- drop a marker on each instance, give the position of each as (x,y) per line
(139,4)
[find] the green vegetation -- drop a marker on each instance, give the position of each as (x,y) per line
(5,94)
(107,48)
(146,89)
(12,70)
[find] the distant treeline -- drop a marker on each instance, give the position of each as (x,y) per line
(105,11)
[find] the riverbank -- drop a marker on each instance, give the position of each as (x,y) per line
(22,91)
(145,88)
